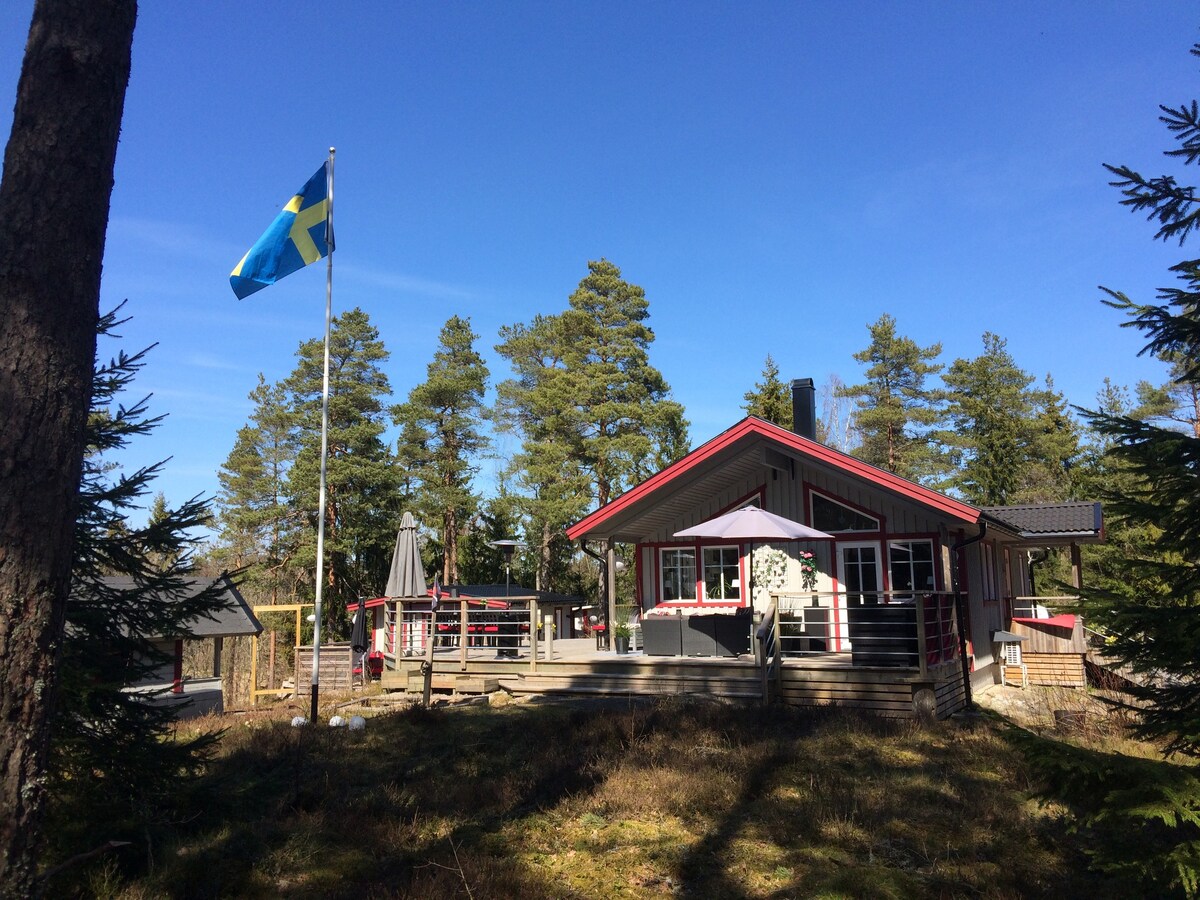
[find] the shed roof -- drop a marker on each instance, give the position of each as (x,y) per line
(234,618)
(1078,521)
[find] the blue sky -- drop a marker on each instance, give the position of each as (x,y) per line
(776,176)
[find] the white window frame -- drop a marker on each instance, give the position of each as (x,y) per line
(736,586)
(812,500)
(842,547)
(911,565)
(663,567)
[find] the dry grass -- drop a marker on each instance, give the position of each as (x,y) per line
(617,799)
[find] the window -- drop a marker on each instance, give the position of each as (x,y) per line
(722,574)
(829,515)
(859,573)
(389,624)
(911,566)
(678,574)
(989,572)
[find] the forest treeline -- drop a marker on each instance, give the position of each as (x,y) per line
(591,417)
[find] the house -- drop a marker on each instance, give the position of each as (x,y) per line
(166,684)
(909,588)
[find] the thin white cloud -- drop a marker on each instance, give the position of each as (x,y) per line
(206,361)
(175,238)
(409,284)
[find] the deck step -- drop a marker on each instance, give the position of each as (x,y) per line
(721,686)
(459,684)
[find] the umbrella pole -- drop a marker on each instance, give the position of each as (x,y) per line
(750,566)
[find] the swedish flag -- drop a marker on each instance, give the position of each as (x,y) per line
(301,234)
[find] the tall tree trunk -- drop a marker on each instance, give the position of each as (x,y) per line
(450,547)
(54,201)
(543,573)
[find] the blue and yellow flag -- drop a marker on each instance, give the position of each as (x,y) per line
(301,234)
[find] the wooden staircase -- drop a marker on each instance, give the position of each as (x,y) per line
(733,687)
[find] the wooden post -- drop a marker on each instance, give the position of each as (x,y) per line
(778,651)
(533,639)
(177,685)
(427,666)
(611,572)
(253,669)
(922,652)
(462,635)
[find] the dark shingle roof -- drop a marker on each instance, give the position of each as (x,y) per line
(1079,519)
(234,618)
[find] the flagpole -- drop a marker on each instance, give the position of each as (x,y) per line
(316,666)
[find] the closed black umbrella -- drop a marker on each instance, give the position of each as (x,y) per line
(358,637)
(407,575)
(358,633)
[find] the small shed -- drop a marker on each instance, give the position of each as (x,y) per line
(166,684)
(1053,650)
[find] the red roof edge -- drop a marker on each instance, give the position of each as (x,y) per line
(752,425)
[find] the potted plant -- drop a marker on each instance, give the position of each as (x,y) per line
(621,635)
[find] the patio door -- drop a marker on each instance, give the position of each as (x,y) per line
(860,572)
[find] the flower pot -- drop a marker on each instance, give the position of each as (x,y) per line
(622,642)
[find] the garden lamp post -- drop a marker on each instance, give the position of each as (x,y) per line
(508,547)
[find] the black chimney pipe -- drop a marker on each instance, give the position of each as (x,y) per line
(804,408)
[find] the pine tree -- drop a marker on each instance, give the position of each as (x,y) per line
(496,520)
(771,398)
(1052,449)
(117,770)
(258,529)
(442,436)
(362,478)
(895,410)
(623,415)
(595,416)
(1099,473)
(1176,403)
(1150,609)
(1009,442)
(552,490)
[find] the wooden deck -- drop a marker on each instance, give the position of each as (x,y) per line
(576,667)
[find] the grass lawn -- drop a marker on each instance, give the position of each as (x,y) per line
(613,799)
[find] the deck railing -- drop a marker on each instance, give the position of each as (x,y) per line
(504,630)
(880,628)
(1038,607)
(766,644)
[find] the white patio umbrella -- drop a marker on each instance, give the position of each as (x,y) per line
(750,523)
(753,524)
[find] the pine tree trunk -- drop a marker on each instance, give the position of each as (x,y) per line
(450,545)
(54,201)
(543,574)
